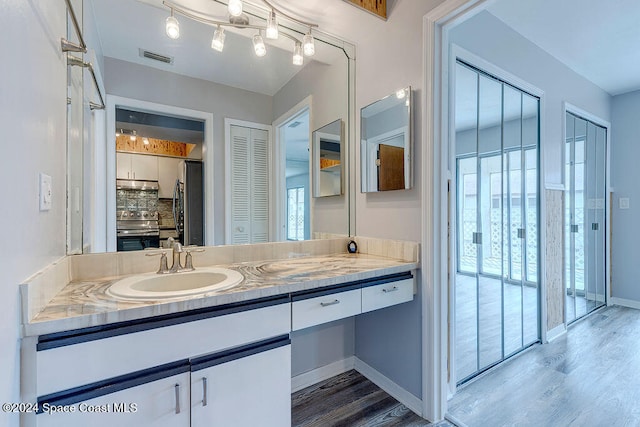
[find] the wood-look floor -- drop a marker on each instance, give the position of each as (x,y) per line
(588,377)
(350,399)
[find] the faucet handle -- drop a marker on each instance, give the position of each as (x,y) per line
(188,261)
(164,267)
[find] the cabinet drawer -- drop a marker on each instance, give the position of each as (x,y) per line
(326,308)
(69,366)
(387,294)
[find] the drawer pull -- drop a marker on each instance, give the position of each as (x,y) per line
(204,391)
(386,291)
(177,398)
(327,304)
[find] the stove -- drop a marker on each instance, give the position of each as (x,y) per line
(137,230)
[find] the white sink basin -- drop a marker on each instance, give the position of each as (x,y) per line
(153,286)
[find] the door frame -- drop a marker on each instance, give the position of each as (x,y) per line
(279,203)
(208,155)
(570,108)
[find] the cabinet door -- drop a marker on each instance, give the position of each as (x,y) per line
(245,392)
(159,403)
(144,167)
(167,175)
(123,166)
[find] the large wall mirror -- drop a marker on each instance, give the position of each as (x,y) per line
(204,116)
(385,148)
(328,160)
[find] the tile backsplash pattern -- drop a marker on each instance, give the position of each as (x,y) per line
(165,213)
(136,200)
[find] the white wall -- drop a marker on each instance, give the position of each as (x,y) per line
(488,37)
(33,119)
(625,232)
(135,81)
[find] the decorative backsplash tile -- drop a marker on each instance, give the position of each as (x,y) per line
(165,213)
(136,200)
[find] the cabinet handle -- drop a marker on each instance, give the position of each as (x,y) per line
(177,388)
(204,391)
(326,304)
(386,291)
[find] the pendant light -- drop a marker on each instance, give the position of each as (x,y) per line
(308,44)
(258,45)
(298,59)
(172,27)
(272,26)
(235,7)
(217,43)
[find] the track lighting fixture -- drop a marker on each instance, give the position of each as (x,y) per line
(217,43)
(172,27)
(258,45)
(298,59)
(308,44)
(272,26)
(235,7)
(306,47)
(133,136)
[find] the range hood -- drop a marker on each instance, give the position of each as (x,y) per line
(126,184)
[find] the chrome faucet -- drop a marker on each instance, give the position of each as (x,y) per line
(177,266)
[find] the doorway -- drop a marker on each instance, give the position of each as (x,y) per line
(293,179)
(496,285)
(585,216)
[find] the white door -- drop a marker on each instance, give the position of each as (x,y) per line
(164,402)
(246,392)
(249,175)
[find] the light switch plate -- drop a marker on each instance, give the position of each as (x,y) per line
(45,192)
(624,203)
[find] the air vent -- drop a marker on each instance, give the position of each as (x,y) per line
(295,124)
(156,56)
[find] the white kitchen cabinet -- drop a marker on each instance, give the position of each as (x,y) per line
(159,403)
(167,176)
(136,166)
(245,391)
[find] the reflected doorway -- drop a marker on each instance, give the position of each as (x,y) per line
(496,288)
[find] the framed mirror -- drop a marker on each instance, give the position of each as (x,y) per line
(386,143)
(328,160)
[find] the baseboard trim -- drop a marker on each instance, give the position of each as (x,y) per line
(322,373)
(397,392)
(454,420)
(625,302)
(556,332)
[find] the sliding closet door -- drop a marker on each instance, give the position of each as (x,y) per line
(585,195)
(496,284)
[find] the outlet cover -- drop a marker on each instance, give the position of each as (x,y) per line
(45,192)
(624,203)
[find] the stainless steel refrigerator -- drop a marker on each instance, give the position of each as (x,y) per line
(188,203)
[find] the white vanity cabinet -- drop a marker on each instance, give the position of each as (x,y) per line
(160,403)
(243,389)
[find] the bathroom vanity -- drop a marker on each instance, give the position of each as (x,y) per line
(222,358)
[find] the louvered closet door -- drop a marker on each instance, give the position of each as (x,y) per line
(249,185)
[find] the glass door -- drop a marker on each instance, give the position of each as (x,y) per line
(585,195)
(496,284)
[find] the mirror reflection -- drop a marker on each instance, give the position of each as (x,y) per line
(385,150)
(328,160)
(197,124)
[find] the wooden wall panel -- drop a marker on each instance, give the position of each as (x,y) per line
(156,146)
(377,7)
(554,257)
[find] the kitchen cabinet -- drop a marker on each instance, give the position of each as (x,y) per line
(167,176)
(159,403)
(136,166)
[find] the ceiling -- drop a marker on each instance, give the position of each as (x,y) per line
(126,26)
(597,39)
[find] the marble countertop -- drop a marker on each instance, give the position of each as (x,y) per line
(82,304)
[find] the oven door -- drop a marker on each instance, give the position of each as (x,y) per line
(134,242)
